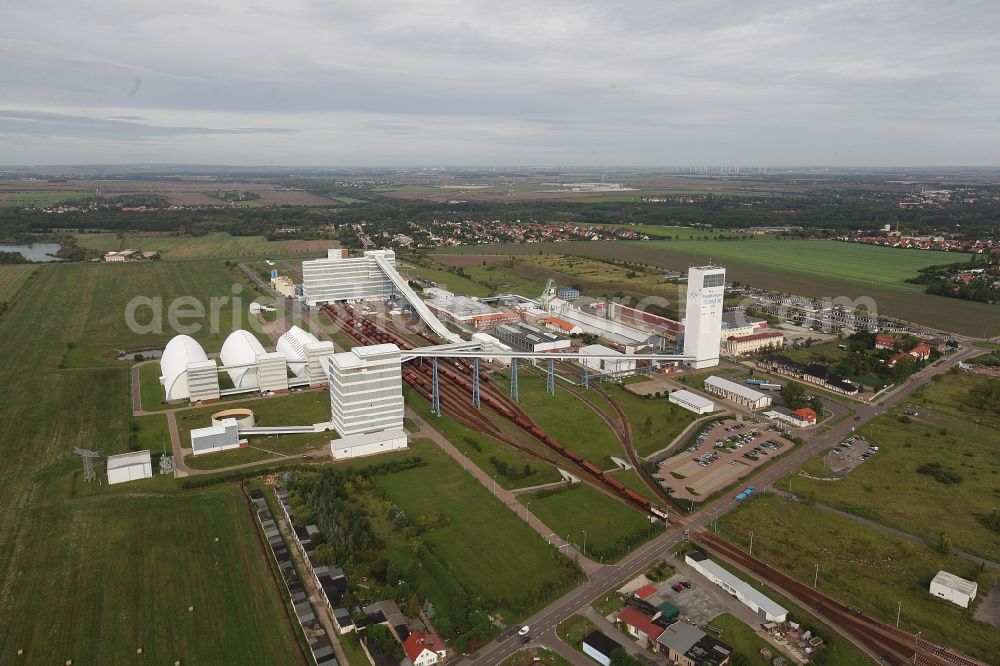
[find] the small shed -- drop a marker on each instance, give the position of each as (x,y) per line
(952,588)
(668,611)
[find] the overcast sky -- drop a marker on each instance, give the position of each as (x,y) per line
(298,82)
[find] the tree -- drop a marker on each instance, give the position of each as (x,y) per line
(993,520)
(619,657)
(944,544)
(794,394)
(647,426)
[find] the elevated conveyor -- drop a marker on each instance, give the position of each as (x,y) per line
(415,301)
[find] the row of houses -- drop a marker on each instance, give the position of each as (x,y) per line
(812,373)
(319,642)
(422,649)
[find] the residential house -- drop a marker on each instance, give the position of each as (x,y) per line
(425,649)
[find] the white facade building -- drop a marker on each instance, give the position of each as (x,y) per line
(292,344)
(129,467)
(620,366)
(703,319)
(366,389)
(215,438)
(340,278)
(738,393)
(746,593)
(692,402)
(272,372)
(954,589)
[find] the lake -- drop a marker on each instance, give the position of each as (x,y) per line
(34,251)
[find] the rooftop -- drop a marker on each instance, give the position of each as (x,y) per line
(643,623)
(460,306)
(601,643)
(733,387)
(692,398)
(953,582)
(680,637)
(126,459)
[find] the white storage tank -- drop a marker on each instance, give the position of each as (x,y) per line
(242,348)
(293,345)
(180,351)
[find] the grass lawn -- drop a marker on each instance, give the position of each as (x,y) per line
(86,566)
(817,268)
(40,199)
(574,630)
(743,639)
(585,433)
(888,489)
(476,544)
(986,344)
(632,481)
(613,528)
(533,656)
(665,419)
(482,448)
(444,279)
(863,567)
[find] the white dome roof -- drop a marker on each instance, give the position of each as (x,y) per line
(180,351)
(240,348)
(293,345)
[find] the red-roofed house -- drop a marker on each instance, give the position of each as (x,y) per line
(897,358)
(645,592)
(806,415)
(639,625)
(563,326)
(883,341)
(921,351)
(425,649)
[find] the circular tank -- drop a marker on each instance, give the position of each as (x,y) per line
(244,417)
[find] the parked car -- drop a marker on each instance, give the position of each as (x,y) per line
(687,585)
(677,587)
(523,631)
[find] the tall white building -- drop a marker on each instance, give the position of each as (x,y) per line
(341,278)
(703,318)
(366,390)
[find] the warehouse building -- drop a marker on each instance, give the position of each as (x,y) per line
(738,393)
(599,647)
(627,337)
(692,401)
(736,323)
(952,588)
(340,278)
(283,285)
(763,606)
(703,315)
(525,337)
(619,366)
(129,467)
(751,344)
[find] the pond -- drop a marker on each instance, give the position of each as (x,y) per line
(34,251)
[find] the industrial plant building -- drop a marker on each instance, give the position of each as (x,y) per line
(366,400)
(736,323)
(470,312)
(525,337)
(305,354)
(129,467)
(703,315)
(692,402)
(220,436)
(738,393)
(340,278)
(186,373)
(619,366)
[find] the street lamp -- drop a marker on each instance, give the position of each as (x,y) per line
(751,543)
(494,485)
(527,504)
(585,542)
(816,577)
(899,609)
(915,645)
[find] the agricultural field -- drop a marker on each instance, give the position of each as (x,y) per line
(474,542)
(443,278)
(888,489)
(613,528)
(817,268)
(84,566)
(10,199)
(214,245)
(12,277)
(865,568)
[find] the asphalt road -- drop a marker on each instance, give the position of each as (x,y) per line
(543,624)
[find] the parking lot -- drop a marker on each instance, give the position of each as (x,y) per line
(849,454)
(721,454)
(695,602)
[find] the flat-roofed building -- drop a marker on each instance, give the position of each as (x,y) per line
(750,344)
(738,393)
(692,401)
(525,337)
(471,312)
(129,467)
(620,365)
(760,604)
(366,389)
(703,315)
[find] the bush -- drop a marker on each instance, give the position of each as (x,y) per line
(939,473)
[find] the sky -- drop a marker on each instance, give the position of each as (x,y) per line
(428,82)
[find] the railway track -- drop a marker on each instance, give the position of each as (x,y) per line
(890,644)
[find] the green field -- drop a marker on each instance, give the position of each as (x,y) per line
(665,420)
(743,639)
(863,567)
(444,279)
(585,433)
(87,569)
(40,199)
(216,244)
(12,278)
(817,268)
(888,489)
(613,528)
(484,451)
(476,543)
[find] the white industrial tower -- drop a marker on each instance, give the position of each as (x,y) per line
(703,317)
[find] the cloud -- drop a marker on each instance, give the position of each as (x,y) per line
(650,82)
(42,124)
